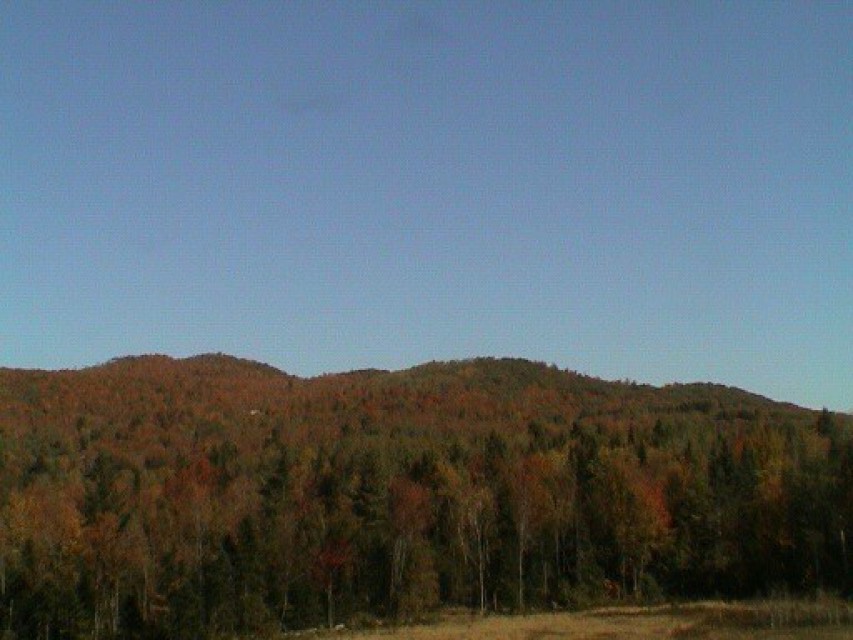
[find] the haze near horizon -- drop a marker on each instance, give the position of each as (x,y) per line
(658,192)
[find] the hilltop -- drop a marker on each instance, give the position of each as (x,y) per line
(497,393)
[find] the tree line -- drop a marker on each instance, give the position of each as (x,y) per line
(154,498)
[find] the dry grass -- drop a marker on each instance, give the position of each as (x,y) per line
(788,620)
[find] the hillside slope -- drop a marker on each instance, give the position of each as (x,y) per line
(213,494)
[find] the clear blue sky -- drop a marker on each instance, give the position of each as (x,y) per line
(654,191)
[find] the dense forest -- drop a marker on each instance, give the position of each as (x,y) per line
(158,498)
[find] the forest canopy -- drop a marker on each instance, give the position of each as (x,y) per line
(151,497)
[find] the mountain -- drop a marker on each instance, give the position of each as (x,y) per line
(211,494)
(468,396)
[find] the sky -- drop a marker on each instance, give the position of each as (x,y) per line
(654,191)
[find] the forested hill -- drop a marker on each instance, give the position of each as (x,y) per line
(158,497)
(230,396)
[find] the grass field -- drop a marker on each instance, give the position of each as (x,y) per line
(788,620)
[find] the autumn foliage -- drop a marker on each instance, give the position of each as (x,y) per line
(150,497)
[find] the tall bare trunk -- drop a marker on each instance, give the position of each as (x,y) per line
(521,574)
(398,563)
(481,561)
(145,592)
(284,609)
(115,609)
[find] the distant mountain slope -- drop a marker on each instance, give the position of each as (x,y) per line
(471,396)
(482,389)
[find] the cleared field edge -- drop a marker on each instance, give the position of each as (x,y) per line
(704,619)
